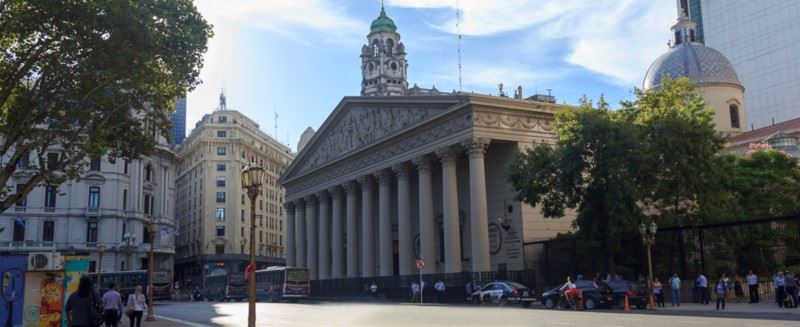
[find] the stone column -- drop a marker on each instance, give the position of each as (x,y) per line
(367,219)
(427,247)
(300,233)
(479,215)
(324,244)
(452,242)
(352,229)
(291,256)
(337,239)
(385,238)
(405,239)
(311,236)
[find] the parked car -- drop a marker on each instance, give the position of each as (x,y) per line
(637,293)
(503,293)
(595,294)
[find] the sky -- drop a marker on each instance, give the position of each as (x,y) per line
(298,58)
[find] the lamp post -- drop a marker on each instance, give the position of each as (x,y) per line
(129,240)
(252,178)
(101,248)
(150,266)
(649,239)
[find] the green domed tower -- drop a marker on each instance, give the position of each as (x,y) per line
(383,60)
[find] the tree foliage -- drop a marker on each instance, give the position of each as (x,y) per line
(85,78)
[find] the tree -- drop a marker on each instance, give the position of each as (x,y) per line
(765,182)
(82,78)
(592,169)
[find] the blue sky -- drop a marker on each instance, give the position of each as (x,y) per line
(300,57)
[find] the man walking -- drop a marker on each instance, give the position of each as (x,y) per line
(702,285)
(791,288)
(440,287)
(780,288)
(112,305)
(675,285)
(752,286)
(414,292)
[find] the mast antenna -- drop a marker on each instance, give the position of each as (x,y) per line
(458,30)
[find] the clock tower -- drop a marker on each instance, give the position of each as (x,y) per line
(383,60)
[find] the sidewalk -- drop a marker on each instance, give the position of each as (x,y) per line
(162,321)
(770,308)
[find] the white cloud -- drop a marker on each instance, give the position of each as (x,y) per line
(618,39)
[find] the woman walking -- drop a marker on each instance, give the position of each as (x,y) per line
(721,290)
(136,306)
(84,307)
(658,290)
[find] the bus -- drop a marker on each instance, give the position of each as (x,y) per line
(128,280)
(225,287)
(279,283)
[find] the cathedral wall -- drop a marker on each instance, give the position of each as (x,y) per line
(719,98)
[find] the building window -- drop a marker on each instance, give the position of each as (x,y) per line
(222,134)
(220,214)
(219,249)
(148,172)
(148,204)
(242,231)
(91,233)
(94,164)
(124,200)
(220,230)
(126,167)
(23,200)
(48,231)
(734,109)
(50,196)
(220,181)
(221,167)
(23,161)
(145,234)
(124,230)
(94,197)
(222,119)
(220,197)
(52,161)
(221,150)
(19,230)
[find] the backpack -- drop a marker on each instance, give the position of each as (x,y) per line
(96,311)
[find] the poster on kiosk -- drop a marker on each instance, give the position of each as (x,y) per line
(12,288)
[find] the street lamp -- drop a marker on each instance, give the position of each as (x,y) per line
(252,178)
(100,250)
(649,239)
(150,266)
(129,240)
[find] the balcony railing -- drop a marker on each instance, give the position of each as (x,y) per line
(92,212)
(29,245)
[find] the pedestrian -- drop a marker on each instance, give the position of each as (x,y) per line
(675,285)
(439,287)
(752,286)
(374,289)
(658,290)
(136,306)
(84,307)
(721,290)
(112,305)
(728,286)
(414,292)
(468,290)
(702,288)
(791,288)
(780,289)
(738,291)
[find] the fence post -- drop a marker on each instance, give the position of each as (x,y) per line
(702,252)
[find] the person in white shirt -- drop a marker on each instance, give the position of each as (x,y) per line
(112,306)
(440,288)
(137,303)
(414,292)
(752,286)
(702,284)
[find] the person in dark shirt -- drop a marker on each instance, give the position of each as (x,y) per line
(81,303)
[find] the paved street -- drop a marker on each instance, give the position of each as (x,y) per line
(366,314)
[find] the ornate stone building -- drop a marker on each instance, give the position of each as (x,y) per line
(386,180)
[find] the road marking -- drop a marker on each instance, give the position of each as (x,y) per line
(629,319)
(562,323)
(187,323)
(693,322)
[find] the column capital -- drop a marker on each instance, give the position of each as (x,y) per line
(351,187)
(402,170)
(384,176)
(449,154)
(365,182)
(323,196)
(423,163)
(335,192)
(311,200)
(299,203)
(289,206)
(476,146)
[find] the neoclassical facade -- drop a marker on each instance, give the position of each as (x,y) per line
(387,180)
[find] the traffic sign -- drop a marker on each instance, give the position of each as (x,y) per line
(420,264)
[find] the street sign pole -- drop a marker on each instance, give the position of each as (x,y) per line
(420,264)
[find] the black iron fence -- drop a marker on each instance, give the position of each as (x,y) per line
(398,288)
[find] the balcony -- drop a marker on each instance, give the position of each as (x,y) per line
(27,246)
(92,212)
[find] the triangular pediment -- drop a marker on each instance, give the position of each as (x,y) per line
(359,122)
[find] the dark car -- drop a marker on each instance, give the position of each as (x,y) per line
(637,293)
(595,294)
(504,292)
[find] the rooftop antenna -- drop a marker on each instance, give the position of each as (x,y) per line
(276,120)
(548,92)
(458,30)
(222,101)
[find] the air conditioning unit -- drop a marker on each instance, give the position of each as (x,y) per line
(45,261)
